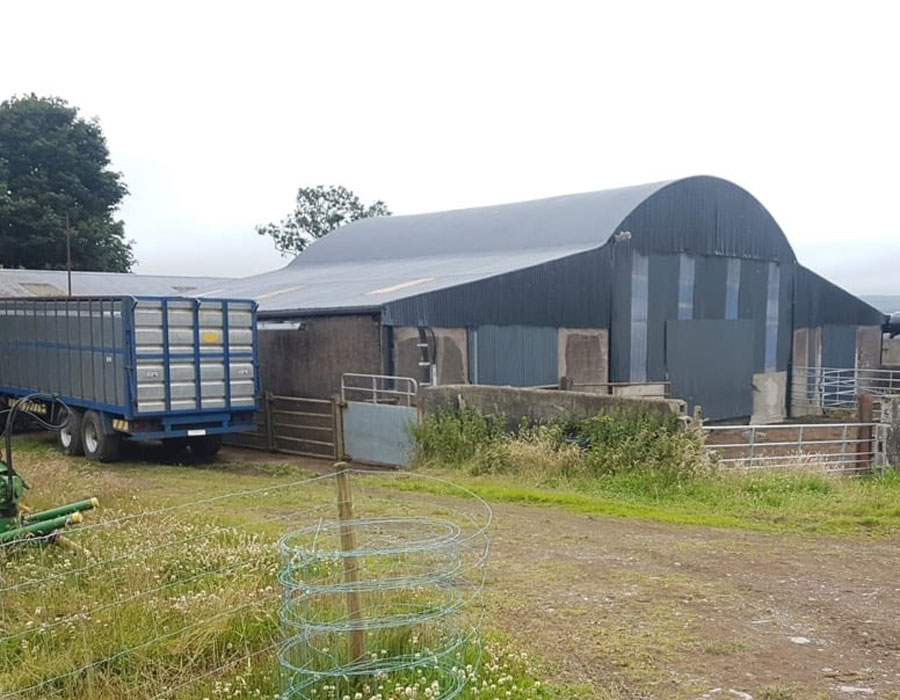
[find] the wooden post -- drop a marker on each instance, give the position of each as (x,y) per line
(864,433)
(351,565)
(267,419)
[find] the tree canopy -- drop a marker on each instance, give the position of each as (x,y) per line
(318,211)
(53,165)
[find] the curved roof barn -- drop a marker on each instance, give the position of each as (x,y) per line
(371,263)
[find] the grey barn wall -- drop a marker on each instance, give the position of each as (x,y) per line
(849,329)
(709,220)
(310,362)
(818,302)
(571,292)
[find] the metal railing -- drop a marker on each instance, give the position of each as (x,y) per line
(826,447)
(293,425)
(379,388)
(649,390)
(820,389)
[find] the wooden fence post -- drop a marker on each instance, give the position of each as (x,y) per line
(351,564)
(267,419)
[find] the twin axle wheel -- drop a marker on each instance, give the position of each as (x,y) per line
(83,434)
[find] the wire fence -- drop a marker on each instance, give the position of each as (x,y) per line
(245,595)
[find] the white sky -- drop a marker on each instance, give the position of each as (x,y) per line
(217,112)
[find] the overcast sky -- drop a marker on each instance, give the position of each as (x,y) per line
(217,112)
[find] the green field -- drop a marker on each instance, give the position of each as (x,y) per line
(181,603)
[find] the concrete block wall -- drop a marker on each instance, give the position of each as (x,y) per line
(309,362)
(451,354)
(584,355)
(537,405)
(890,353)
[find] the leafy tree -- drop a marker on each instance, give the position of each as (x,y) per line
(54,165)
(319,210)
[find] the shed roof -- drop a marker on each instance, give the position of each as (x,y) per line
(54,283)
(370,262)
(375,261)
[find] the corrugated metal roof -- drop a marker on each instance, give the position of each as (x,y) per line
(374,261)
(370,263)
(367,285)
(53,283)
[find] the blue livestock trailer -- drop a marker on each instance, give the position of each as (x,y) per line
(177,369)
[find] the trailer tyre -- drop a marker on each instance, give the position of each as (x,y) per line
(70,436)
(96,443)
(174,446)
(205,446)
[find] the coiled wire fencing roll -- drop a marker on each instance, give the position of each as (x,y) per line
(384,601)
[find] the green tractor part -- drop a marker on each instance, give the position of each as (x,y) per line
(16,521)
(15,524)
(51,513)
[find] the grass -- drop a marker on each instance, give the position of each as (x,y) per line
(760,501)
(637,464)
(182,604)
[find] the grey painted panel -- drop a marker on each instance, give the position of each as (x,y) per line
(839,346)
(379,433)
(620,313)
(711,364)
(517,355)
(537,295)
(710,287)
(773,303)
(663,307)
(818,302)
(752,305)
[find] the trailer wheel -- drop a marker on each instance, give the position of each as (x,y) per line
(205,445)
(97,444)
(70,437)
(173,447)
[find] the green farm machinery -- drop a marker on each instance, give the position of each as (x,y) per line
(18,523)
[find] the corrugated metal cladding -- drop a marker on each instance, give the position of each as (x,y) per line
(818,302)
(838,346)
(707,216)
(515,355)
(666,301)
(572,292)
(718,380)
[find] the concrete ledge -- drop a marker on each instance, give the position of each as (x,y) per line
(538,405)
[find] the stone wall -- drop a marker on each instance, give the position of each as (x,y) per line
(309,362)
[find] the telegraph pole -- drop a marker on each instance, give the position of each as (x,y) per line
(69,252)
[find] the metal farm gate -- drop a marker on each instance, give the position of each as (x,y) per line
(377,416)
(293,425)
(847,448)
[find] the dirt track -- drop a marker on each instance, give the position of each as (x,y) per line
(646,610)
(632,609)
(637,609)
